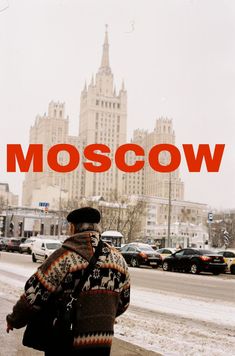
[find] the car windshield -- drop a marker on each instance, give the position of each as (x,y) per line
(146,248)
(53,245)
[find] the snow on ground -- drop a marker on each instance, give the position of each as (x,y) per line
(167,323)
(193,308)
(175,336)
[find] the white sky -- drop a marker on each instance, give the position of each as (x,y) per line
(179,61)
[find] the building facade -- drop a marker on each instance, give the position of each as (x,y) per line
(49,185)
(7,198)
(188,223)
(147,181)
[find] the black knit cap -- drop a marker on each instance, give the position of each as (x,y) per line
(84,215)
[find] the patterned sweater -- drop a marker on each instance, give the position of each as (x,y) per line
(105,294)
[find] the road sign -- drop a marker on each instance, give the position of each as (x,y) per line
(210,216)
(226,237)
(44,204)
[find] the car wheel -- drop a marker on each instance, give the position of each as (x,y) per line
(20,250)
(34,258)
(194,268)
(29,251)
(216,273)
(232,269)
(134,262)
(166,266)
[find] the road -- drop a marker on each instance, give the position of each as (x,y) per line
(221,287)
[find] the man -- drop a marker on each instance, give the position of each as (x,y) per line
(104,296)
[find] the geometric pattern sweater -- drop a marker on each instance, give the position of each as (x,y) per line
(105,294)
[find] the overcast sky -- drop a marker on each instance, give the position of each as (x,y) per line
(177,58)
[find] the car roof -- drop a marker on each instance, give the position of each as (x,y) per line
(48,240)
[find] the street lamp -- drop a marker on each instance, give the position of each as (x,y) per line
(169,214)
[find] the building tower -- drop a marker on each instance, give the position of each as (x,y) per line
(103,116)
(157,183)
(147,181)
(50,186)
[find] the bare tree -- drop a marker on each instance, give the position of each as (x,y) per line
(119,213)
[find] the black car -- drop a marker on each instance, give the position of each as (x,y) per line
(140,254)
(13,244)
(3,242)
(195,261)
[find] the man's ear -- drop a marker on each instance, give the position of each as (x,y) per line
(71,229)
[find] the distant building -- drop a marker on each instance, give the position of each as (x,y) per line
(50,186)
(147,181)
(188,225)
(7,197)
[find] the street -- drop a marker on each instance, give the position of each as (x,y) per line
(220,287)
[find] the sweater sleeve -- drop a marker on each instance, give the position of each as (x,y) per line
(38,289)
(124,300)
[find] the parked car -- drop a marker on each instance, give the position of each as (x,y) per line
(13,244)
(43,248)
(3,243)
(137,254)
(165,252)
(195,261)
(229,258)
(26,246)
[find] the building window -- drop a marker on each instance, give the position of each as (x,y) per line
(97,102)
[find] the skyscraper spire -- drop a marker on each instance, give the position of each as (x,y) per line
(105,55)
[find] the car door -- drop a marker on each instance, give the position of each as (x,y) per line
(124,252)
(176,259)
(41,251)
(186,258)
(131,252)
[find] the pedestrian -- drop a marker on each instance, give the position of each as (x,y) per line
(104,296)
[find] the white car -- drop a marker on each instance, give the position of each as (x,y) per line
(43,248)
(26,246)
(166,251)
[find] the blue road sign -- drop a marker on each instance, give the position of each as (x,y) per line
(43,204)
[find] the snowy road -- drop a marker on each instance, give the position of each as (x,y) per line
(171,313)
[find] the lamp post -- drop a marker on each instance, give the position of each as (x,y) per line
(59,218)
(169,214)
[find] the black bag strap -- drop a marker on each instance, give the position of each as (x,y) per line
(87,271)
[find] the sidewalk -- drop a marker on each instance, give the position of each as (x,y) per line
(10,344)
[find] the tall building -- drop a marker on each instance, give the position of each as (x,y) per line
(50,186)
(103,119)
(7,198)
(147,181)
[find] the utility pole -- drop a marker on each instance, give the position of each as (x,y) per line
(6,221)
(169,214)
(59,218)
